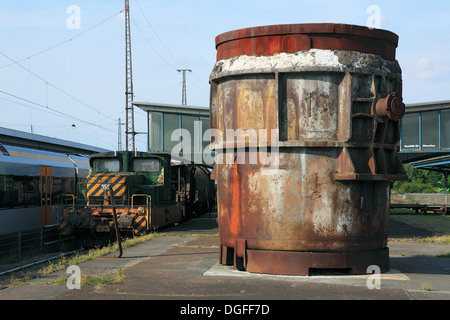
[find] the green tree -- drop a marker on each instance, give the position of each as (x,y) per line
(420,181)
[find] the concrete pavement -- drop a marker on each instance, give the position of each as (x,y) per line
(183,265)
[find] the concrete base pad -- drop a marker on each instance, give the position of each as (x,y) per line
(219,270)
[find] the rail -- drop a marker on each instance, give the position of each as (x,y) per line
(2,273)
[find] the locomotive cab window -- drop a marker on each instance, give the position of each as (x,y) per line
(146,165)
(106,165)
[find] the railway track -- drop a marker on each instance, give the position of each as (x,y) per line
(34,261)
(24,248)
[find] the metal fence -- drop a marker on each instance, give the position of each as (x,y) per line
(420,198)
(24,242)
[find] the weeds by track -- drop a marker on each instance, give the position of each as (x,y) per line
(33,270)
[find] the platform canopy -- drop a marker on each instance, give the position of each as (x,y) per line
(440,164)
(35,141)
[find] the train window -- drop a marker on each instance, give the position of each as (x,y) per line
(56,190)
(6,183)
(146,165)
(106,165)
(25,191)
(19,191)
(32,189)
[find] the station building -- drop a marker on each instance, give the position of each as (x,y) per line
(425,136)
(426,129)
(179,129)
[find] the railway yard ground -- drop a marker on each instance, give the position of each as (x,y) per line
(182,264)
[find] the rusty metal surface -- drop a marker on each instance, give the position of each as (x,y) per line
(270,40)
(327,198)
(304,263)
(392,106)
(301,207)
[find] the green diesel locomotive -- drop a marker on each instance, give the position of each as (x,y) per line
(149,191)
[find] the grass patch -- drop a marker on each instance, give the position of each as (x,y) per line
(193,235)
(435,239)
(439,225)
(112,277)
(65,261)
(395,211)
(427,287)
(19,281)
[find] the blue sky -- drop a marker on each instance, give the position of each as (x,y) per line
(83,79)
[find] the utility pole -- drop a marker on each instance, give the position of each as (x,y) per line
(129,133)
(119,135)
(183,94)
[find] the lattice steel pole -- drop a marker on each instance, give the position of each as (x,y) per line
(183,94)
(129,132)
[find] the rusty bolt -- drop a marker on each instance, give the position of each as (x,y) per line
(392,106)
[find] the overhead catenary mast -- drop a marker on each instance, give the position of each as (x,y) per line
(183,93)
(129,133)
(119,136)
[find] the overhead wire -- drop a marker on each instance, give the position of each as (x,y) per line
(34,108)
(65,41)
(46,108)
(55,46)
(180,65)
(150,44)
(47,83)
(54,110)
(156,34)
(52,85)
(164,91)
(156,51)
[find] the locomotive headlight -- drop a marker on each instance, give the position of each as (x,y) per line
(141,210)
(70,210)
